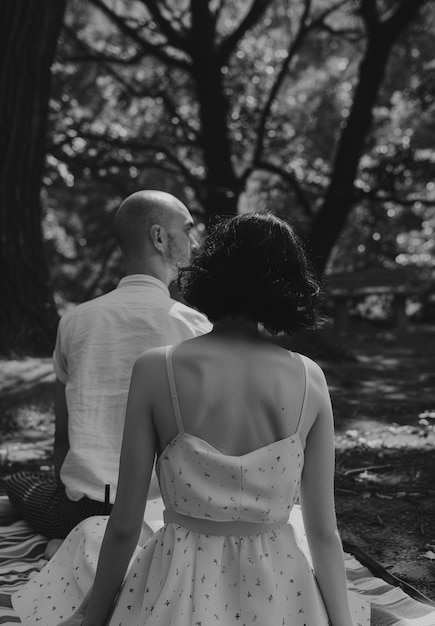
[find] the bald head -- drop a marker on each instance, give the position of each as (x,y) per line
(138,214)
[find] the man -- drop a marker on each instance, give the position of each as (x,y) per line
(96,347)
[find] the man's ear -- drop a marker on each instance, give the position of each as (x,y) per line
(159,238)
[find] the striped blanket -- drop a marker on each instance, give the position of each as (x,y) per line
(22,554)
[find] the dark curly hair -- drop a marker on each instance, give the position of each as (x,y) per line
(254,266)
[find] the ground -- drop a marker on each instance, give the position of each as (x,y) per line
(382,387)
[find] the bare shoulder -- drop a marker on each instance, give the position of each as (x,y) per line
(150,360)
(316,372)
(149,365)
(147,375)
(317,377)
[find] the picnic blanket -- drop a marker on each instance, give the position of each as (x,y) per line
(393,603)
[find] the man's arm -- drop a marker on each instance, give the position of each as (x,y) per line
(61,440)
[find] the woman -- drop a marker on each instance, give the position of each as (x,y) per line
(238,425)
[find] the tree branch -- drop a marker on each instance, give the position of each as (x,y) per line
(369,12)
(92,55)
(318,19)
(398,19)
(396,199)
(254,14)
(151,49)
(104,262)
(394,21)
(144,147)
(172,110)
(340,196)
(303,29)
(351,35)
(126,143)
(172,35)
(261,127)
(289,178)
(106,63)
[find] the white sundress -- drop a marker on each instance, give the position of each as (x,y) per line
(226,554)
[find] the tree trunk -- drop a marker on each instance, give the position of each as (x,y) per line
(222,187)
(29,33)
(340,196)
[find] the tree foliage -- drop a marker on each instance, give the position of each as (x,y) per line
(303,107)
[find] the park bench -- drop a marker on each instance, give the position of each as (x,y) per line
(400,283)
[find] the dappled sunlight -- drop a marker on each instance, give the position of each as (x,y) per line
(378,361)
(384,407)
(27,453)
(385,387)
(364,433)
(15,375)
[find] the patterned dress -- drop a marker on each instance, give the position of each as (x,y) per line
(226,554)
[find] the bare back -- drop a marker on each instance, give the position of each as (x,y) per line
(238,395)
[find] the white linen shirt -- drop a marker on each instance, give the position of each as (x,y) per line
(96,347)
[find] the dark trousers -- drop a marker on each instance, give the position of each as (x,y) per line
(43,504)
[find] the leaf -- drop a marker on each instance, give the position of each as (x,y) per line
(429,555)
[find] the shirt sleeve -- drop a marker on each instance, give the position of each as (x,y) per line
(59,356)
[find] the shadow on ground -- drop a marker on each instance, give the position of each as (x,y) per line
(382,387)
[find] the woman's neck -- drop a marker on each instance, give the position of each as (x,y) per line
(236,326)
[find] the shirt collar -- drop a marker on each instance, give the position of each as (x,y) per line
(142,280)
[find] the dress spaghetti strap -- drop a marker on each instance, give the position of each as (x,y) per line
(173,388)
(304,401)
